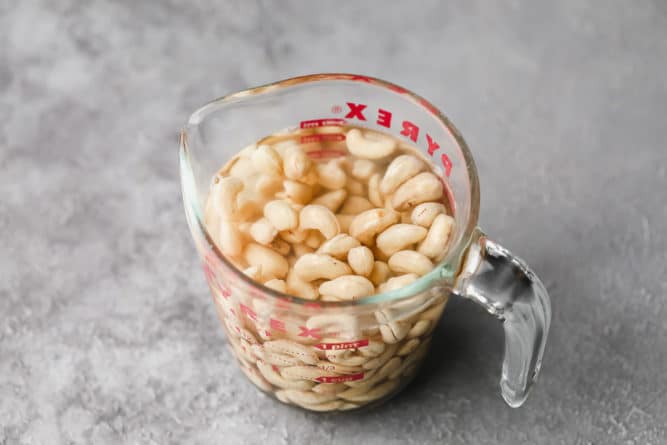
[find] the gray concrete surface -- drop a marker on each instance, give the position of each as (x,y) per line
(107,333)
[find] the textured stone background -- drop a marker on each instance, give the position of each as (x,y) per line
(107,333)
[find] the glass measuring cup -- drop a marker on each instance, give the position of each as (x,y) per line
(327,356)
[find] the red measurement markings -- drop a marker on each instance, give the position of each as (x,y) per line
(320,154)
(344,345)
(325,137)
(340,378)
(328,122)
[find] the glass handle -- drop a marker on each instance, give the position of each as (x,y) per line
(508,289)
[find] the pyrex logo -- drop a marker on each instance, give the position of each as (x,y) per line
(409,129)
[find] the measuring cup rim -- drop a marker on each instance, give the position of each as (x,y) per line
(446,268)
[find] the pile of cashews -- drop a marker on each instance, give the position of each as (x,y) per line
(335,230)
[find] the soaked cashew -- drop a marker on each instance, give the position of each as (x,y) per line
(296,192)
(331,175)
(296,163)
(331,200)
(398,282)
(369,145)
(436,240)
(313,266)
(301,352)
(399,237)
(355,205)
(300,288)
(409,261)
(277,285)
(400,170)
(302,249)
(281,215)
(421,188)
(344,221)
(362,169)
(380,273)
(374,193)
(320,218)
(347,287)
(266,160)
(263,231)
(367,224)
(424,214)
(223,197)
(339,246)
(272,264)
(230,239)
(314,240)
(361,260)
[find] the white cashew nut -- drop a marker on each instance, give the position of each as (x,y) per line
(367,224)
(296,163)
(369,145)
(399,237)
(424,214)
(338,246)
(320,218)
(314,266)
(347,287)
(277,285)
(409,261)
(331,175)
(331,200)
(266,160)
(380,273)
(296,192)
(421,188)
(272,264)
(436,240)
(281,215)
(360,260)
(263,231)
(400,170)
(374,193)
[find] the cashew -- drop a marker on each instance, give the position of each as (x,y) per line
(380,273)
(308,397)
(394,331)
(293,236)
(399,236)
(272,264)
(354,187)
(374,193)
(248,207)
(313,266)
(347,287)
(331,200)
(380,360)
(276,379)
(373,349)
(355,205)
(277,285)
(424,214)
(314,240)
(268,186)
(338,246)
(296,163)
(346,325)
(296,192)
(421,188)
(400,170)
(266,160)
(369,145)
(223,197)
(398,282)
(253,272)
(281,215)
(409,261)
(362,169)
(360,260)
(229,239)
(331,176)
(319,218)
(300,288)
(367,224)
(344,221)
(303,353)
(408,347)
(436,240)
(263,231)
(419,328)
(329,388)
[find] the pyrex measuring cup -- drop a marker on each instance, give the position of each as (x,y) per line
(327,356)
